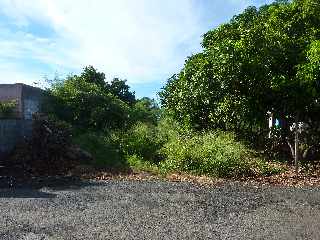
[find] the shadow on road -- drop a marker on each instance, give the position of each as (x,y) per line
(24,193)
(11,187)
(16,182)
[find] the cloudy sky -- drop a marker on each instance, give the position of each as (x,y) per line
(143,41)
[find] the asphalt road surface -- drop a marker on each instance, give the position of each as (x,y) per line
(158,210)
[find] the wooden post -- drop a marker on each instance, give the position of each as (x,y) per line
(296,145)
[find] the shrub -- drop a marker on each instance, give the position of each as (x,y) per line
(213,153)
(169,147)
(105,149)
(267,169)
(169,129)
(141,140)
(139,164)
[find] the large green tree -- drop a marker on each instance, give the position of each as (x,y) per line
(119,88)
(263,60)
(145,110)
(87,101)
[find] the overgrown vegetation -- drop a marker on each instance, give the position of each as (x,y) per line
(146,141)
(105,150)
(149,141)
(263,60)
(213,119)
(213,153)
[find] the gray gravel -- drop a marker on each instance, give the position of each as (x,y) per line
(159,210)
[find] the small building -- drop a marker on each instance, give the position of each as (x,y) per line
(28,99)
(18,126)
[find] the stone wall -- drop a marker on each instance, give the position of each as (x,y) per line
(12,131)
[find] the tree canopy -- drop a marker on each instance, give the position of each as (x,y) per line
(88,101)
(262,60)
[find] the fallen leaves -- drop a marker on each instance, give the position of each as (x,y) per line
(287,178)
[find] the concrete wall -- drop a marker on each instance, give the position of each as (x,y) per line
(12,131)
(28,98)
(29,101)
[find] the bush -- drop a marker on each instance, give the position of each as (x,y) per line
(105,149)
(169,129)
(139,164)
(141,140)
(213,153)
(169,147)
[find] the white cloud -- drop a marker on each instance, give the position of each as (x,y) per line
(11,72)
(135,39)
(21,45)
(141,40)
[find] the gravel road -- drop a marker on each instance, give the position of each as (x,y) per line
(158,210)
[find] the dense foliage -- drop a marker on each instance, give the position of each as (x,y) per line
(263,60)
(121,134)
(87,101)
(104,148)
(214,153)
(168,148)
(107,120)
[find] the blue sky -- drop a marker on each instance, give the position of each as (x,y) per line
(143,41)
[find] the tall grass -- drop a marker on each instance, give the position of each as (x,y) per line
(168,147)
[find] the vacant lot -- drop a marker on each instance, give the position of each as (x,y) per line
(158,210)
